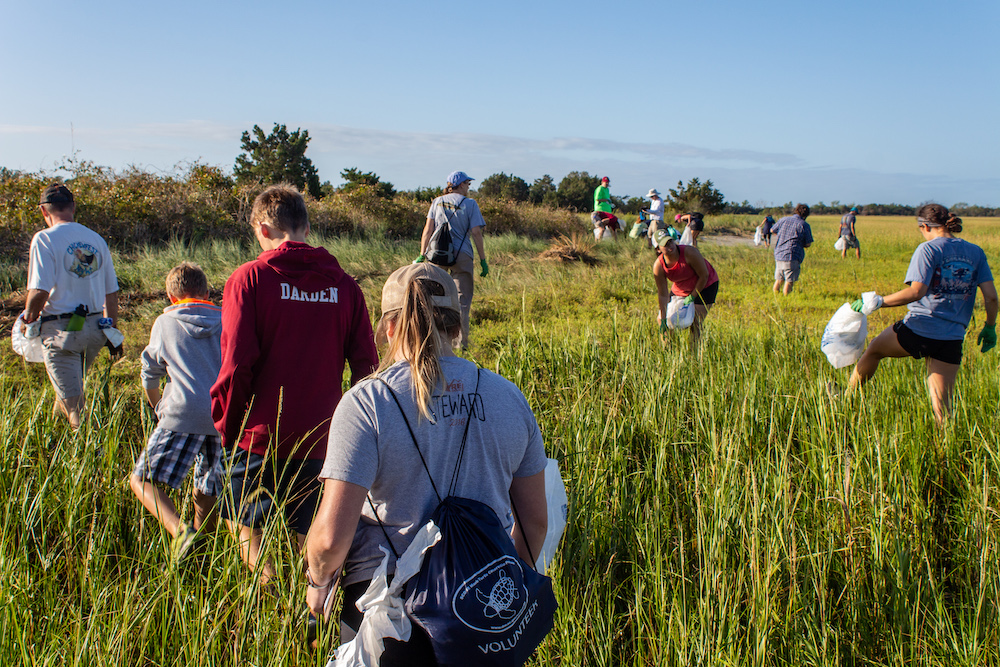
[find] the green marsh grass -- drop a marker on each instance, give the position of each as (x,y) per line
(724,509)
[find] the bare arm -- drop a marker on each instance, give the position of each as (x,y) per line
(330,537)
(111,308)
(906,295)
(662,287)
(477,237)
(700,266)
(990,301)
(34,304)
(425,236)
(527,495)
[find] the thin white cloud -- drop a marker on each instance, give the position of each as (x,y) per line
(331,138)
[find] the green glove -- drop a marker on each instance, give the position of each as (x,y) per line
(689,299)
(988,337)
(663,325)
(420,259)
(858,305)
(486,268)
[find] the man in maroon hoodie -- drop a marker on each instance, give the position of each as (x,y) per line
(290,320)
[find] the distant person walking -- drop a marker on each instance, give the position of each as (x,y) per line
(766,225)
(71,285)
(655,213)
(466,222)
(847,233)
(942,279)
(794,235)
(680,270)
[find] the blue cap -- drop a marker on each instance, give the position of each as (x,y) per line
(456,178)
(855,209)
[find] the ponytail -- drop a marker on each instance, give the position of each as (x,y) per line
(938,216)
(421,332)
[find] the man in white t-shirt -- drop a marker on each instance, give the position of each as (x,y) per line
(71,285)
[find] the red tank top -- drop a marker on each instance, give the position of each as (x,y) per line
(683,276)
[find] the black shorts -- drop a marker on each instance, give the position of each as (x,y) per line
(259,485)
(917,346)
(707,296)
(698,225)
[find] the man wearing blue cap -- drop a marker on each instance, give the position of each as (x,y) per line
(462,214)
(847,233)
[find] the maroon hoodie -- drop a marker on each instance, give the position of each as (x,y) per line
(290,319)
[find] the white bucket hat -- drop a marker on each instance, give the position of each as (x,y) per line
(652,192)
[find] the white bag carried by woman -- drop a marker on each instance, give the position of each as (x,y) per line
(679,314)
(844,338)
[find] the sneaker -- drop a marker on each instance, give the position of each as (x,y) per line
(183,542)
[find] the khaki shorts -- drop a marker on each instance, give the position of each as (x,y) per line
(788,271)
(68,354)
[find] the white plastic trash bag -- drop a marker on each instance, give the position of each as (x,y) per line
(687,238)
(758,236)
(840,244)
(844,338)
(382,605)
(558,507)
(29,348)
(607,233)
(679,315)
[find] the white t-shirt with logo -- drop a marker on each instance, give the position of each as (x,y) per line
(73,264)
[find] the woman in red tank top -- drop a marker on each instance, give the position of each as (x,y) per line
(692,276)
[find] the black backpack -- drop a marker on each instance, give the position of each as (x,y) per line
(441,248)
(477,601)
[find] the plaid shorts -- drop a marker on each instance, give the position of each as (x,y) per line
(168,456)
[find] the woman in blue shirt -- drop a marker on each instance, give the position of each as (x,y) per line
(943,276)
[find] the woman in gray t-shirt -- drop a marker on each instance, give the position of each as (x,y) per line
(942,280)
(371,454)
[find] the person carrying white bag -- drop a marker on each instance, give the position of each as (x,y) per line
(693,280)
(942,278)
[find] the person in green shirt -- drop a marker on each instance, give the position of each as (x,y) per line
(602,197)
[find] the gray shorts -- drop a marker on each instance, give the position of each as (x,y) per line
(787,271)
(850,241)
(68,354)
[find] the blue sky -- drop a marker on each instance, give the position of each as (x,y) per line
(774,101)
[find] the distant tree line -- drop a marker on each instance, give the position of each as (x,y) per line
(279,156)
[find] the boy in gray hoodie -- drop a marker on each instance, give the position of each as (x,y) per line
(183,347)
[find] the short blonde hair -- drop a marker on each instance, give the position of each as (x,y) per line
(187,280)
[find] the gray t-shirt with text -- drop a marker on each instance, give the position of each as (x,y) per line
(371,446)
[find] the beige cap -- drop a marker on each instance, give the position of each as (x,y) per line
(395,287)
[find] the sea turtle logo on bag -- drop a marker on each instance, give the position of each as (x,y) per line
(492,599)
(500,599)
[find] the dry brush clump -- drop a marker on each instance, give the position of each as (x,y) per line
(572,248)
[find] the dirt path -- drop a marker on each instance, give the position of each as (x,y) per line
(728,240)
